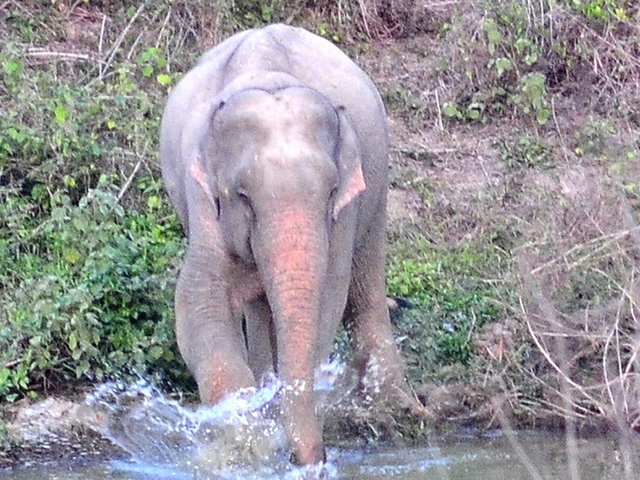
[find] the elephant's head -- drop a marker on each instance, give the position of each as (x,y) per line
(280,167)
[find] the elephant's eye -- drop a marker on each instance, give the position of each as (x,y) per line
(244,198)
(334,191)
(242,195)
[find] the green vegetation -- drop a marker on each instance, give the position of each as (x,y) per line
(87,289)
(515,133)
(521,247)
(523,51)
(449,284)
(89,246)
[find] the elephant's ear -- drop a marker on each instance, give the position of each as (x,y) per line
(198,170)
(349,165)
(198,173)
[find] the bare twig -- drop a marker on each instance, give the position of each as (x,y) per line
(126,185)
(560,135)
(608,239)
(72,8)
(116,45)
(553,364)
(100,44)
(52,55)
(440,124)
(365,16)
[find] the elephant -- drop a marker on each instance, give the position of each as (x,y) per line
(274,154)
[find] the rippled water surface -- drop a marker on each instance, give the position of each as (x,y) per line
(460,459)
(241,438)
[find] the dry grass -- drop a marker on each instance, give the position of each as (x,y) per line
(566,353)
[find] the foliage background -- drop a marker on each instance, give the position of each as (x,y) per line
(514,200)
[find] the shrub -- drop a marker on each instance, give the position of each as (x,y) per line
(508,57)
(453,300)
(86,289)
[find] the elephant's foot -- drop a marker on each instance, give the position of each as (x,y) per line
(404,398)
(384,383)
(309,456)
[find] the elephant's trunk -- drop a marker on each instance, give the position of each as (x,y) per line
(292,260)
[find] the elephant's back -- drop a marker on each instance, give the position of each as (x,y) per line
(320,63)
(313,60)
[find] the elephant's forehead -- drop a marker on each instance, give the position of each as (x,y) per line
(284,111)
(290,154)
(286,149)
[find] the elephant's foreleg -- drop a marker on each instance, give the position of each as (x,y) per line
(209,332)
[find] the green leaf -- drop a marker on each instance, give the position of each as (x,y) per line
(81,224)
(163,79)
(58,214)
(82,369)
(15,135)
(12,66)
(61,114)
(502,65)
(542,115)
(156,352)
(71,255)
(450,110)
(69,181)
(494,38)
(154,202)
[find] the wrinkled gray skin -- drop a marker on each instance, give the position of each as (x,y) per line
(274,153)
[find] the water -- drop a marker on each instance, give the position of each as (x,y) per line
(486,458)
(241,438)
(241,431)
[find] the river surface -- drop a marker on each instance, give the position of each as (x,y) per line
(540,456)
(241,438)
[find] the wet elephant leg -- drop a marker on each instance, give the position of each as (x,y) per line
(377,359)
(208,331)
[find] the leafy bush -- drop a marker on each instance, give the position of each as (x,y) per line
(524,151)
(508,57)
(86,289)
(88,243)
(451,296)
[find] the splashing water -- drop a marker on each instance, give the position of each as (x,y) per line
(239,437)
